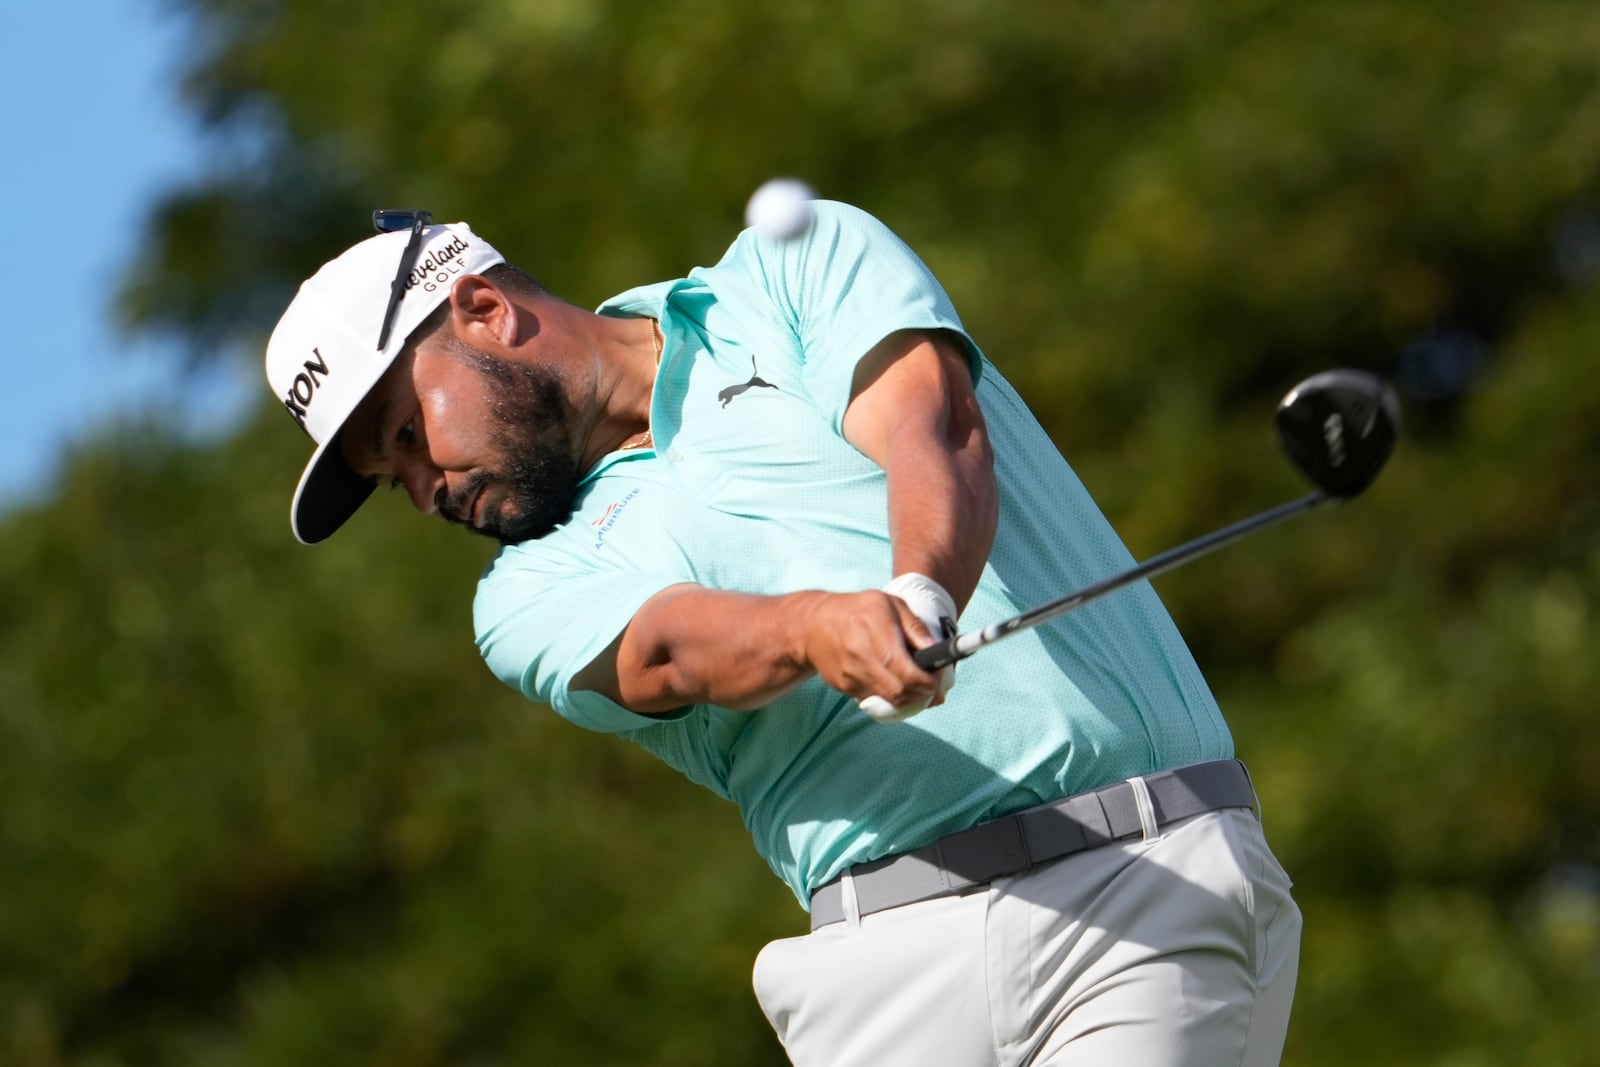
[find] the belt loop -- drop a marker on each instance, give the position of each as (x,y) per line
(1147,808)
(847,897)
(1254,796)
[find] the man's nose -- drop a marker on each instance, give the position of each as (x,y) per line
(423,481)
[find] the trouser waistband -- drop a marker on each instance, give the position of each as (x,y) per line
(1012,843)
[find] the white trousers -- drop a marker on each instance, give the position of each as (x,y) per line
(1178,949)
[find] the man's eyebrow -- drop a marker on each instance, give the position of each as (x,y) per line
(380,440)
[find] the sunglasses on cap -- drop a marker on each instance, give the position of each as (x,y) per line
(391,220)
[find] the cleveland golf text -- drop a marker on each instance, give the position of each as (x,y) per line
(437,267)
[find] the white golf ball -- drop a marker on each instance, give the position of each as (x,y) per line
(781,209)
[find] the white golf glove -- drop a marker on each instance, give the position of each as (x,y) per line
(928,600)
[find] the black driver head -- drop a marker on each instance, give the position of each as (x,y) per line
(1339,427)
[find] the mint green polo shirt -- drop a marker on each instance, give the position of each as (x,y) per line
(751,487)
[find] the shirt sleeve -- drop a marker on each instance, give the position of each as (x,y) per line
(539,622)
(842,287)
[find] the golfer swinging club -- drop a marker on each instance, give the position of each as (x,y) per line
(1055,861)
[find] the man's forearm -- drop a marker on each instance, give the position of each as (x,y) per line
(943,503)
(692,645)
(709,646)
(915,413)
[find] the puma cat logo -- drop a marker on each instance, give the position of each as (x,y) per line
(755,380)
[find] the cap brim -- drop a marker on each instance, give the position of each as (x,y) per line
(329,493)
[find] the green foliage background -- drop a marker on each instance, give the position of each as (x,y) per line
(262,805)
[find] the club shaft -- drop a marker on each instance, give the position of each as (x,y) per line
(959,647)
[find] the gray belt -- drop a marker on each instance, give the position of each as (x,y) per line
(1012,843)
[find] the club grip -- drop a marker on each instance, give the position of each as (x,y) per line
(937,657)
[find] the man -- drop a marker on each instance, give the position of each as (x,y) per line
(731,505)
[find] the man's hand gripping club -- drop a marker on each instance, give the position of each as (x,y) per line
(935,609)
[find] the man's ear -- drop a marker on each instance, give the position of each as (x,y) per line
(481,311)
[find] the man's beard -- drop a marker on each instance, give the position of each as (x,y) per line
(540,477)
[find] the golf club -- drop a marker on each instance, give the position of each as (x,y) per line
(1337,427)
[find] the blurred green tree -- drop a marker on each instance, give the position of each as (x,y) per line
(262,805)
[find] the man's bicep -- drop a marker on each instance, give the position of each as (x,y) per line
(542,619)
(631,671)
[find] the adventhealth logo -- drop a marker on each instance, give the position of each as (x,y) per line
(605,522)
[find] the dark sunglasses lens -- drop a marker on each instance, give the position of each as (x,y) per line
(385,220)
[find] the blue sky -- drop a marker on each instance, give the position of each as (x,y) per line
(96,133)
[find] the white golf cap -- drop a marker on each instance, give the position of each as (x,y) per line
(323,357)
